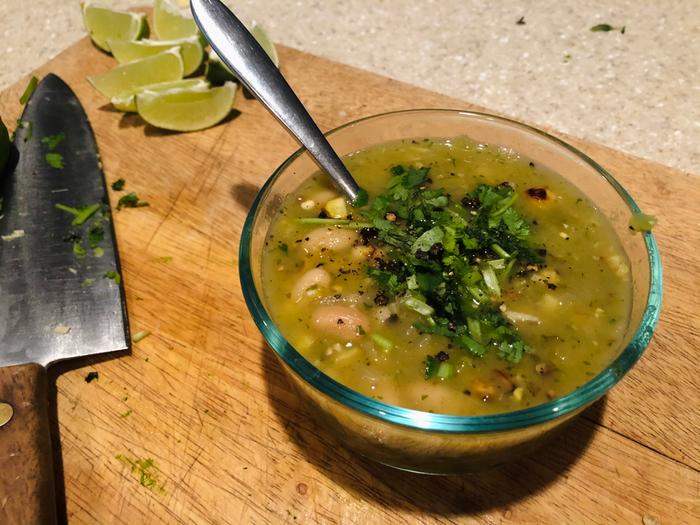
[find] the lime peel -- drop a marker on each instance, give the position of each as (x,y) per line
(103,24)
(170,23)
(190,49)
(128,103)
(186,109)
(130,78)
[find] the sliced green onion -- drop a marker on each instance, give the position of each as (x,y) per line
(382,341)
(85,213)
(505,274)
(477,293)
(412,283)
(74,211)
(500,251)
(445,370)
(474,347)
(490,280)
(497,264)
(474,328)
(418,305)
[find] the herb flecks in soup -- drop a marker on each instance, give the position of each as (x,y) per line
(474,282)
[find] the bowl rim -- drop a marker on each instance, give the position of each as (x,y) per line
(419,420)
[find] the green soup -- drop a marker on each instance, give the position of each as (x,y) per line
(474,282)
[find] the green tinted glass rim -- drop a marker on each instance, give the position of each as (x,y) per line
(416,419)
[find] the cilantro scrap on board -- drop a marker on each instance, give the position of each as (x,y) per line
(130,200)
(118,185)
(447,259)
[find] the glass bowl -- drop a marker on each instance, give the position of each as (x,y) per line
(436,443)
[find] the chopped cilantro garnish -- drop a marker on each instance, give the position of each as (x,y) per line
(29,90)
(146,470)
(431,367)
(130,200)
(55,160)
(52,141)
(118,185)
(361,198)
(447,259)
(91,376)
(78,250)
(114,276)
(84,214)
(80,215)
(96,234)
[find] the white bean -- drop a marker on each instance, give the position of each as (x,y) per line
(315,277)
(334,239)
(338,320)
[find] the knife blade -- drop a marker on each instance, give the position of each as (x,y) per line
(55,301)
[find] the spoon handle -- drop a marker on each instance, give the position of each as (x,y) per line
(239,50)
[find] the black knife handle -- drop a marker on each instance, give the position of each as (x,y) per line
(27,493)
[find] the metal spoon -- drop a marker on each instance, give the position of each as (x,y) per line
(241,52)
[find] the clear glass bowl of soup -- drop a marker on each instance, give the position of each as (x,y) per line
(426,441)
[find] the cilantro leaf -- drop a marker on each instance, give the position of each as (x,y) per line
(52,141)
(130,200)
(55,160)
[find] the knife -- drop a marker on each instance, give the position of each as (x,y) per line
(55,301)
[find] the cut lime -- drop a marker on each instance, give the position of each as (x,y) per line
(186,109)
(217,72)
(4,146)
(190,48)
(128,103)
(261,36)
(104,24)
(130,78)
(170,23)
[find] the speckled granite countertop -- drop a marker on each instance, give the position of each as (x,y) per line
(638,91)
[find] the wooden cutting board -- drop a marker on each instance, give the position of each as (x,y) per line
(206,400)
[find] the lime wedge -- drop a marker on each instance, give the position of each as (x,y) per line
(190,48)
(217,72)
(104,24)
(128,103)
(186,109)
(261,36)
(170,23)
(130,78)
(4,146)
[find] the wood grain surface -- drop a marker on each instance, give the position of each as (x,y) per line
(26,461)
(205,399)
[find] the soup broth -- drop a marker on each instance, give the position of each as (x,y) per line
(534,314)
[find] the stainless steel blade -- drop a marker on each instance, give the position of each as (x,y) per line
(49,308)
